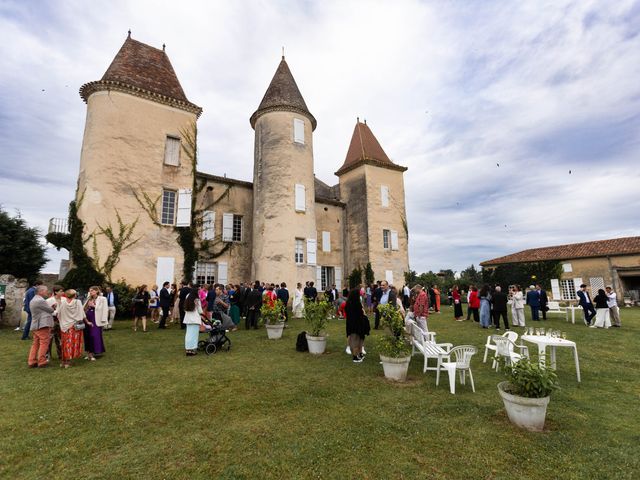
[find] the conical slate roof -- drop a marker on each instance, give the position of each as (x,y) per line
(365,148)
(283,95)
(144,70)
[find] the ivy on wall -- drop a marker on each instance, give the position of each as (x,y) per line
(120,240)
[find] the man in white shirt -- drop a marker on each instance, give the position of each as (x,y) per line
(614,311)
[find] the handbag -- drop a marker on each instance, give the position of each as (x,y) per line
(79,325)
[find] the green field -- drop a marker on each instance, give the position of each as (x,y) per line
(265,411)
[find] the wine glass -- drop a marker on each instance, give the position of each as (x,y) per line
(564,335)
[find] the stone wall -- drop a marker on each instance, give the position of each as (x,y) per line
(330,218)
(14,295)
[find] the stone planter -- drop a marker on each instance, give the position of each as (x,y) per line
(527,413)
(395,368)
(274,332)
(317,345)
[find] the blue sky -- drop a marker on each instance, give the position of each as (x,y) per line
(489,104)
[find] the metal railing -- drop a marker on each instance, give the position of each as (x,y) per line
(58,225)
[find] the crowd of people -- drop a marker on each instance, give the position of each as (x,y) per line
(74,327)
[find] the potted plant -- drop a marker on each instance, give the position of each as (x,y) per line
(271,315)
(395,350)
(317,315)
(526,393)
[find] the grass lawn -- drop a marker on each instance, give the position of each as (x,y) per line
(265,411)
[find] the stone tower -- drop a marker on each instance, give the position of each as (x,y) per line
(284,222)
(372,187)
(136,116)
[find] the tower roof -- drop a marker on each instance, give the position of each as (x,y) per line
(283,95)
(365,149)
(141,69)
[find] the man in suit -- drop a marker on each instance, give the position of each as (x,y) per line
(41,324)
(313,292)
(165,304)
(544,300)
(533,300)
(28,296)
(584,300)
(185,289)
(283,295)
(499,301)
(112,303)
(386,297)
(254,302)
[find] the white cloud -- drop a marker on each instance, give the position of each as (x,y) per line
(450,89)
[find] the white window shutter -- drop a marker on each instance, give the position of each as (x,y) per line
(576,286)
(326,241)
(172,151)
(319,277)
(208,225)
(222,273)
(567,268)
(298,130)
(184,208)
(384,195)
(555,289)
(394,240)
(164,270)
(388,276)
(338,273)
(311,251)
(227,227)
(300,198)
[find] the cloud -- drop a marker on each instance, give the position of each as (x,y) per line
(451,90)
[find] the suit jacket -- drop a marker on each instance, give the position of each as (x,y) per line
(182,295)
(544,299)
(283,296)
(533,298)
(165,298)
(499,300)
(41,313)
(102,311)
(116,300)
(27,299)
(254,299)
(583,297)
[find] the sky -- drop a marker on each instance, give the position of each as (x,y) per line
(519,122)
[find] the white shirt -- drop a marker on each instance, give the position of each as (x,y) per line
(612,301)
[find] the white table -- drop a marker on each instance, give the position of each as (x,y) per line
(573,309)
(542,341)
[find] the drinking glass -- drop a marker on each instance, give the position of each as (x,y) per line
(564,335)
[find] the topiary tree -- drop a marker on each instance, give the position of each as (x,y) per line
(369,277)
(21,253)
(355,277)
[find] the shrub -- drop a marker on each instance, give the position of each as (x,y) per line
(530,379)
(125,294)
(394,343)
(271,314)
(317,315)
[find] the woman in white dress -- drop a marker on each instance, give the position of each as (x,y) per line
(517,307)
(602,310)
(298,302)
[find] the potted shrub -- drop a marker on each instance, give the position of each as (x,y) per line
(395,350)
(317,315)
(526,393)
(271,315)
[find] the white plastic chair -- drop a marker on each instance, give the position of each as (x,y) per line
(423,342)
(505,349)
(513,336)
(462,365)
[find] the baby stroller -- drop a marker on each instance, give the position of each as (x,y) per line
(217,340)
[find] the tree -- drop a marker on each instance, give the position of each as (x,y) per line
(355,277)
(21,253)
(470,276)
(369,277)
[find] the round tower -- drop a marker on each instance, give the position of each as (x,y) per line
(284,231)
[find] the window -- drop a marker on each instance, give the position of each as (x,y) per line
(208,225)
(298,131)
(384,195)
(231,227)
(567,289)
(596,284)
(386,239)
(326,241)
(168,207)
(567,268)
(237,228)
(205,273)
(327,277)
(299,255)
(300,200)
(172,151)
